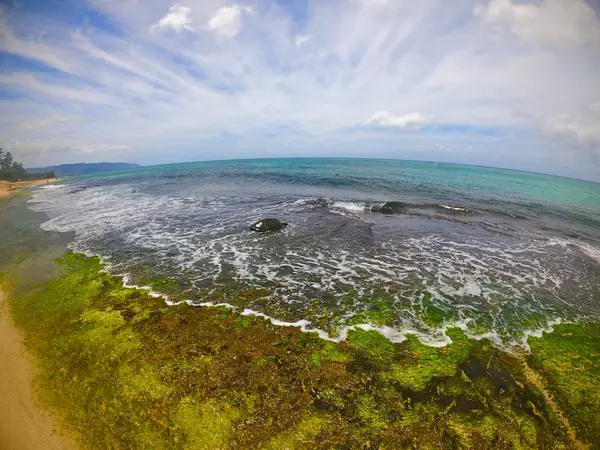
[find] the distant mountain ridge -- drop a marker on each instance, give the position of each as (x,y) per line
(65,170)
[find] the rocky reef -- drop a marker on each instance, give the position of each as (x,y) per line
(121,369)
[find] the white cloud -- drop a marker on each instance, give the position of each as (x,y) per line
(31,49)
(184,91)
(28,82)
(301,39)
(228,20)
(178,18)
(373,3)
(40,122)
(99,148)
(584,127)
(412,120)
(41,152)
(551,22)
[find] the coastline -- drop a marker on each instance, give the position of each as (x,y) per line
(8,188)
(133,369)
(23,424)
(122,365)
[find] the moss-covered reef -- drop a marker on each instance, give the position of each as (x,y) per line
(568,362)
(123,370)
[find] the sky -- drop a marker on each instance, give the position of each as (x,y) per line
(506,83)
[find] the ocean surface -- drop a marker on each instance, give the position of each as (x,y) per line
(500,253)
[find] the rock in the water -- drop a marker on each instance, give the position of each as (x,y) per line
(390,208)
(268,225)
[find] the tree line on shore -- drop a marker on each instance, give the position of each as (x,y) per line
(11,170)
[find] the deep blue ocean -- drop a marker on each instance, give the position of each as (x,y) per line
(500,253)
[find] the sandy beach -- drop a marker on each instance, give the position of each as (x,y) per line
(23,425)
(9,187)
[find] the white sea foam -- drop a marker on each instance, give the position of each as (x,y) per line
(455,208)
(51,186)
(477,281)
(435,338)
(589,250)
(149,290)
(351,206)
(538,333)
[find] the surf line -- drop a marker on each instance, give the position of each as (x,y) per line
(389,333)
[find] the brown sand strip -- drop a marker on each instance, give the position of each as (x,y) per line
(7,188)
(23,426)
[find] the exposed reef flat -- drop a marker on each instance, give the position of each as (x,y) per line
(120,368)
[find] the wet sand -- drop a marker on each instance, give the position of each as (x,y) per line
(23,425)
(9,187)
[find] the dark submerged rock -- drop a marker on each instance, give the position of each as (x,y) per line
(268,225)
(390,208)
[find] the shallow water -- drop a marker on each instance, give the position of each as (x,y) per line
(500,253)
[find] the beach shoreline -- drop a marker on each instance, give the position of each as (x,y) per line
(117,366)
(23,424)
(8,188)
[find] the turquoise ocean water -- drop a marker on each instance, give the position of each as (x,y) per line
(499,253)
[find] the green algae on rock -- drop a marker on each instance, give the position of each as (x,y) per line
(124,370)
(568,360)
